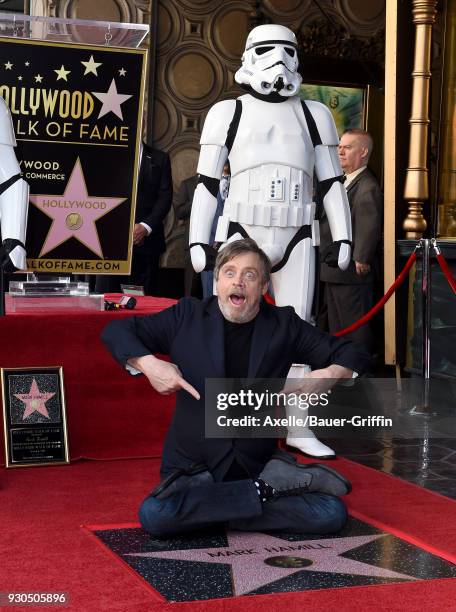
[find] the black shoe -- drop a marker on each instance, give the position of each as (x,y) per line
(180,479)
(291,478)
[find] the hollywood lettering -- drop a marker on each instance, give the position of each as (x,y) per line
(60,105)
(73,204)
(59,102)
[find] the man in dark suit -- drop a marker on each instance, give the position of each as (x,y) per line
(244,482)
(153,202)
(183,208)
(348,294)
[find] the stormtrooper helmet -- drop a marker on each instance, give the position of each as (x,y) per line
(270,61)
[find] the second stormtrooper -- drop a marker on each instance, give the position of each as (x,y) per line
(274,143)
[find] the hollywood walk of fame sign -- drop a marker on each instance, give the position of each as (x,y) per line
(76,112)
(34,416)
(214,564)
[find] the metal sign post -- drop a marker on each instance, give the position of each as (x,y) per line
(425,408)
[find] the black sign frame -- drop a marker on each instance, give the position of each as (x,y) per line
(34,416)
(77,115)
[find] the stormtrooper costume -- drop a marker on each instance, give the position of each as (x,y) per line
(274,143)
(14,192)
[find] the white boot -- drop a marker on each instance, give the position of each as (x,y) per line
(310,445)
(303,438)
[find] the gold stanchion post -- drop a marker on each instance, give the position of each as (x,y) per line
(416,190)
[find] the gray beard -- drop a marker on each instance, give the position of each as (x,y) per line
(244,317)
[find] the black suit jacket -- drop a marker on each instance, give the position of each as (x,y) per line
(366,206)
(155,196)
(192,334)
(183,204)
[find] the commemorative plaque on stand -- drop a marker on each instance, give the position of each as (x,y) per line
(34,416)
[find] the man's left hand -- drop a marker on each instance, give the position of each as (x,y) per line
(362,268)
(139,234)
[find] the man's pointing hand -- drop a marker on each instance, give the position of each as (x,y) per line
(165,377)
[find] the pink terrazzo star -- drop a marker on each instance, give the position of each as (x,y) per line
(74,213)
(34,401)
(250,556)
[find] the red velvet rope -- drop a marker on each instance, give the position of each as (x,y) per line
(399,280)
(446,270)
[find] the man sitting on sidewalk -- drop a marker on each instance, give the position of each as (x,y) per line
(246,483)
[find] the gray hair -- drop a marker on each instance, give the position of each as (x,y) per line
(364,137)
(239,247)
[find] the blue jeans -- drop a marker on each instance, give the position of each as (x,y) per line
(238,505)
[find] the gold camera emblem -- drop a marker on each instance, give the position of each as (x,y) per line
(73,221)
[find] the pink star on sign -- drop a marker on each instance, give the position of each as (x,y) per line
(74,213)
(34,401)
(111,100)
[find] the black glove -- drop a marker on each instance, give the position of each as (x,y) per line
(5,262)
(330,255)
(211,255)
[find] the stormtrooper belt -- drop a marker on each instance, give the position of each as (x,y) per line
(305,231)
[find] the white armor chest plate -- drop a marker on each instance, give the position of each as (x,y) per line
(272,162)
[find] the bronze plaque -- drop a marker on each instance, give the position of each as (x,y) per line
(34,416)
